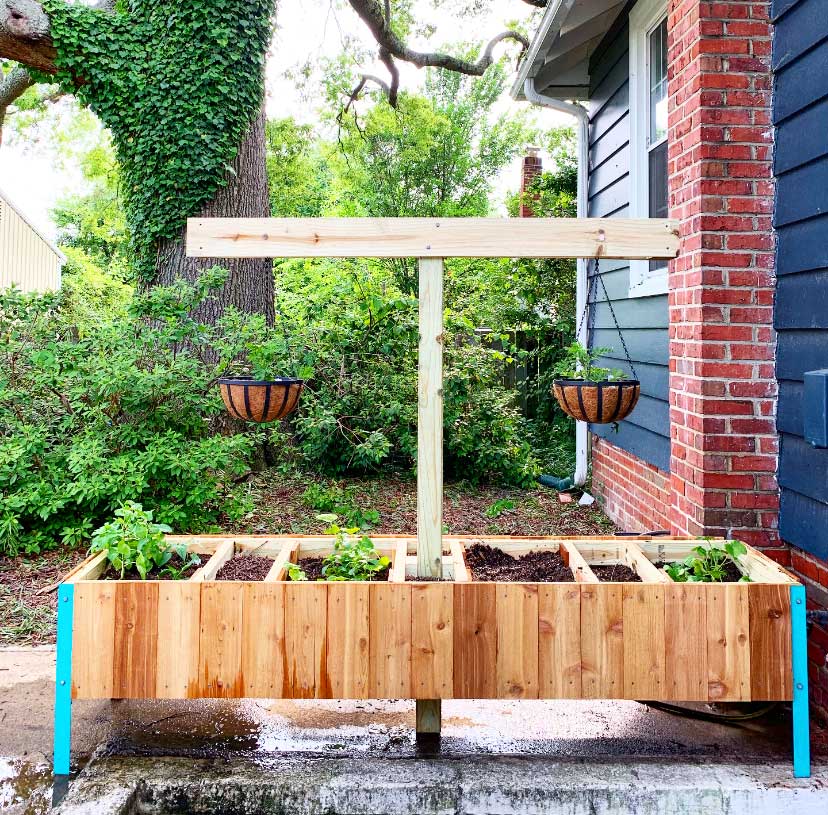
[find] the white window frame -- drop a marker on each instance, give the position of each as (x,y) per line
(644,17)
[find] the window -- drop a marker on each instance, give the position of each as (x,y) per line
(648,133)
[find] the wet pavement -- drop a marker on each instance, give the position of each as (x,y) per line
(252,736)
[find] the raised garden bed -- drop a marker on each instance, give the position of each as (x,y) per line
(589,638)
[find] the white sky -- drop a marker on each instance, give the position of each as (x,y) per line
(30,175)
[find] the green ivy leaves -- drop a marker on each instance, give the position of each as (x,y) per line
(178,85)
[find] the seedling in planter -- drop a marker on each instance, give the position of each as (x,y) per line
(708,564)
(133,541)
(353,558)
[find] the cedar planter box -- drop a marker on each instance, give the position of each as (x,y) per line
(457,639)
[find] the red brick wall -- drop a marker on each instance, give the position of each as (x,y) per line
(722,385)
(531,168)
(636,495)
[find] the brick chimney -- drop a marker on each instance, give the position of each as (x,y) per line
(531,168)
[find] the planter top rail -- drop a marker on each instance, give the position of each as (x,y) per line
(612,238)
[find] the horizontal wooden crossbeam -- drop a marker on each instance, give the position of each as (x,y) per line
(615,238)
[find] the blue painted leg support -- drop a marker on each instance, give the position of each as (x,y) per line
(801,731)
(63,679)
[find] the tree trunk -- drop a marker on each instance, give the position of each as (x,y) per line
(250,285)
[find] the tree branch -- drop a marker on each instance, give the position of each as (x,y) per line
(24,34)
(12,87)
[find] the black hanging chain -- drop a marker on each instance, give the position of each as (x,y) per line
(590,301)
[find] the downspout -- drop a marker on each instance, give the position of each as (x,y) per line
(582,276)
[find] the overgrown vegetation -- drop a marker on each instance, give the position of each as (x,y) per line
(578,362)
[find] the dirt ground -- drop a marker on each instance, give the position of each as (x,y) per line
(287,505)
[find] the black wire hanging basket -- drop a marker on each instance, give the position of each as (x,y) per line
(605,401)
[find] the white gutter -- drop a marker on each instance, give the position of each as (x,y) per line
(582,277)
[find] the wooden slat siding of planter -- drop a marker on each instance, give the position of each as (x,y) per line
(220,640)
(263,640)
(389,646)
(432,640)
(179,632)
(348,636)
(306,624)
(621,238)
(728,642)
(770,643)
(475,641)
(135,640)
(559,641)
(602,641)
(685,643)
(93,633)
(516,667)
(644,667)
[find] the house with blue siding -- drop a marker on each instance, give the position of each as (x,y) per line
(715,114)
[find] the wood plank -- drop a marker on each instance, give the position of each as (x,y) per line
(458,557)
(282,559)
(432,237)
(209,570)
(179,622)
(517,641)
(93,640)
(220,640)
(432,641)
(475,641)
(575,560)
(559,641)
(90,569)
(389,658)
(263,640)
(398,557)
(642,566)
(728,642)
(430,421)
(602,641)
(136,640)
(348,634)
(770,643)
(685,632)
(643,641)
(306,626)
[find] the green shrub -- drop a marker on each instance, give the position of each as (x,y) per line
(119,413)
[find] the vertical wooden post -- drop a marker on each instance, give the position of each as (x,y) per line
(430,421)
(430,452)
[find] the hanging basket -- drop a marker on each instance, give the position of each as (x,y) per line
(260,400)
(597,402)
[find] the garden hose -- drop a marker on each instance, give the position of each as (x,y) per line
(710,715)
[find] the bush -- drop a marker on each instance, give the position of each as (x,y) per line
(119,413)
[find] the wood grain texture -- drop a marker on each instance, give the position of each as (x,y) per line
(220,640)
(770,643)
(389,663)
(559,642)
(136,640)
(432,641)
(517,641)
(728,643)
(93,640)
(475,641)
(263,640)
(430,421)
(643,641)
(621,238)
(349,629)
(306,623)
(177,663)
(685,646)
(602,641)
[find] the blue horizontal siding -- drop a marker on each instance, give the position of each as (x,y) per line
(646,432)
(800,62)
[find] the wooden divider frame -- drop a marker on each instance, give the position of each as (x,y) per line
(430,641)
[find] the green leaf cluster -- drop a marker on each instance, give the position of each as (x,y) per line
(177,84)
(132,542)
(353,558)
(578,362)
(707,563)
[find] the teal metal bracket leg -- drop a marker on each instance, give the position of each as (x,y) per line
(63,679)
(799,657)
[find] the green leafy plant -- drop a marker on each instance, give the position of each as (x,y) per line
(498,507)
(579,363)
(354,557)
(331,498)
(133,542)
(708,563)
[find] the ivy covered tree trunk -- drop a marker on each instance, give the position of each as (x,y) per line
(250,285)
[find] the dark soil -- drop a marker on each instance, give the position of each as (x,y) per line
(489,563)
(245,567)
(733,574)
(428,580)
(312,567)
(111,574)
(616,573)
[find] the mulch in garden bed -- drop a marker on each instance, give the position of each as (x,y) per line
(245,567)
(615,573)
(489,563)
(312,567)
